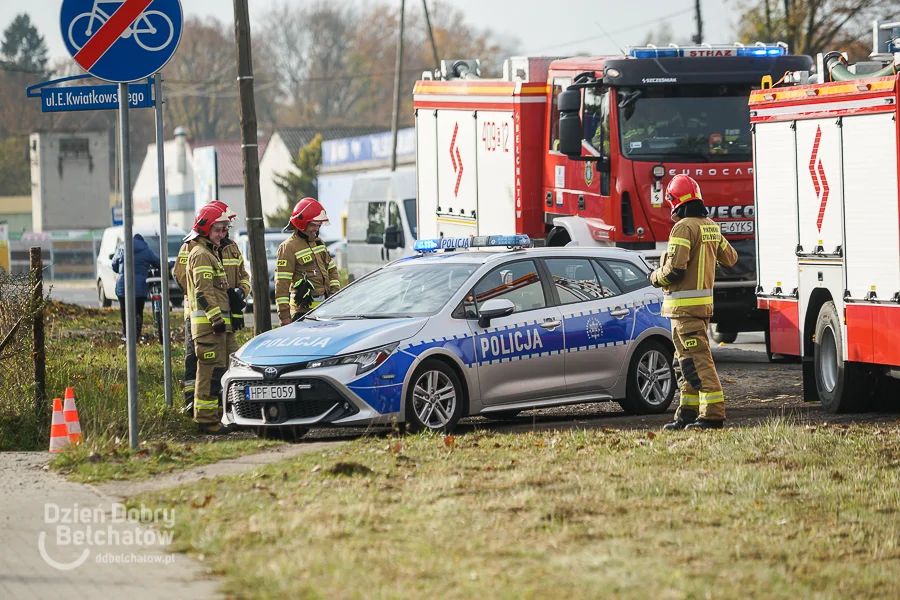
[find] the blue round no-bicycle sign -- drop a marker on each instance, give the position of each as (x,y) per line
(121,40)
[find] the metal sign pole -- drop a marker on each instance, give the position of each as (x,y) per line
(130,317)
(163,238)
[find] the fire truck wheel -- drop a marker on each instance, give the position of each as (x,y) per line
(719,337)
(651,380)
(840,385)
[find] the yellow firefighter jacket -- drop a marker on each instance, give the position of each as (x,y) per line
(179,271)
(299,256)
(235,269)
(207,289)
(687,270)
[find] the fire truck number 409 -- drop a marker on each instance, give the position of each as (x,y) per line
(495,137)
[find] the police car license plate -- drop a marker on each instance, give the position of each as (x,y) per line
(732,227)
(271,392)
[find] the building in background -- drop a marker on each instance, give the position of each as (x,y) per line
(180,180)
(69,180)
(279,157)
(344,159)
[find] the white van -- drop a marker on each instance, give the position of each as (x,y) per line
(381,219)
(113,239)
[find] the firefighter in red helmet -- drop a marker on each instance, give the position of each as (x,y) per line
(686,274)
(238,291)
(207,290)
(305,274)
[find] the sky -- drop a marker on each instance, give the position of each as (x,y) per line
(571,26)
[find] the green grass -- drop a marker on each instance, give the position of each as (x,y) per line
(84,351)
(779,511)
(113,461)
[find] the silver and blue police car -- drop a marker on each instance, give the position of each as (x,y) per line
(470,326)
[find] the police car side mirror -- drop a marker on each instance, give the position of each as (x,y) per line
(493,309)
(393,237)
(570,130)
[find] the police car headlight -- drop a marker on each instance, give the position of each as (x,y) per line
(364,361)
(237,363)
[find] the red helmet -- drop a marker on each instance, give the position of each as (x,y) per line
(682,189)
(231,214)
(206,216)
(306,211)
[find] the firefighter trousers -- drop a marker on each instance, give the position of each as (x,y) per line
(212,352)
(190,364)
(701,390)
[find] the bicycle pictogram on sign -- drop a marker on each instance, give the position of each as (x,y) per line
(121,40)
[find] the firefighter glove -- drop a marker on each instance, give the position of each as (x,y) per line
(236,300)
(303,293)
(219,327)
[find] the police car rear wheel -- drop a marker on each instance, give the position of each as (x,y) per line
(434,401)
(651,380)
(285,433)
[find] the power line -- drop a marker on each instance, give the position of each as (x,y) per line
(621,29)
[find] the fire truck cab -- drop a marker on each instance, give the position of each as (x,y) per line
(828,239)
(580,150)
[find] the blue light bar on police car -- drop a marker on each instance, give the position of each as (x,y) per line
(475,241)
(707,51)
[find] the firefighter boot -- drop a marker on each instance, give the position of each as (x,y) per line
(216,429)
(684,418)
(703,423)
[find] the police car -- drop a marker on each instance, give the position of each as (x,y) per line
(469,326)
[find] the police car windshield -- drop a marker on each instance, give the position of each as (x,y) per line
(401,291)
(690,123)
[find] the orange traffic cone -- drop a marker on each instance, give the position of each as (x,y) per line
(59,431)
(71,414)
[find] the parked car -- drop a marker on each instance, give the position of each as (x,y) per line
(113,239)
(273,239)
(381,220)
(427,340)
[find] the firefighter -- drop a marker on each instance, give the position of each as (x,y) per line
(304,272)
(238,289)
(210,315)
(687,274)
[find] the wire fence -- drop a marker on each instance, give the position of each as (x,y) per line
(19,306)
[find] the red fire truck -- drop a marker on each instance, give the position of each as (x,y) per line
(582,148)
(828,239)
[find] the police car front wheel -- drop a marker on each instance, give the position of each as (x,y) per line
(434,400)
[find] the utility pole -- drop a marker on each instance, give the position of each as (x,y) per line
(398,71)
(434,52)
(256,231)
(698,39)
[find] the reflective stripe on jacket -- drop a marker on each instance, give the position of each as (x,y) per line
(687,271)
(297,256)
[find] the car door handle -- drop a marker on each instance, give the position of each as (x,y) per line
(550,324)
(619,312)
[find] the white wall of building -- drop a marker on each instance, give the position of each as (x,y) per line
(70,180)
(276,160)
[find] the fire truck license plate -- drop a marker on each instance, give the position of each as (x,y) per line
(731,227)
(271,392)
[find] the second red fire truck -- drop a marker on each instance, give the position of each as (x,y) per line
(581,149)
(828,213)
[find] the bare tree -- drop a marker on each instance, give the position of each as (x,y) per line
(813,26)
(335,62)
